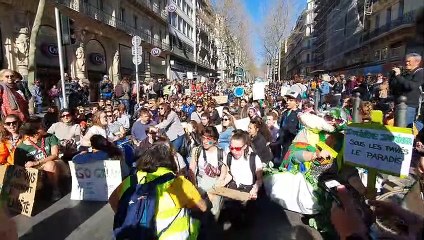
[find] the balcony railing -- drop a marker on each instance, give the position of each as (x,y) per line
(110,20)
(407,18)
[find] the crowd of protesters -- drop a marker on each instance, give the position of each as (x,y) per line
(177,127)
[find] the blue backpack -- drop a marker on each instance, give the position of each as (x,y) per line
(135,218)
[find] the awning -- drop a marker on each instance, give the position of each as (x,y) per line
(177,75)
(373,69)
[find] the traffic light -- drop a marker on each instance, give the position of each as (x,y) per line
(68,30)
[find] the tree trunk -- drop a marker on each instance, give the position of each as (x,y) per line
(32,48)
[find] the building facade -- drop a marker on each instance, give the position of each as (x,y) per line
(364,36)
(102,30)
(297,49)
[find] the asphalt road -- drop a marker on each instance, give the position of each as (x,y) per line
(80,220)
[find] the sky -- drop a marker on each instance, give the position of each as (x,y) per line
(255,10)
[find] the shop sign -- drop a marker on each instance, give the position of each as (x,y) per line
(50,49)
(97,58)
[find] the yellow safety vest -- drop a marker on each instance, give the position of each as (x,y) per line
(175,222)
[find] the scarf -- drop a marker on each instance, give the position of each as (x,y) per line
(7,89)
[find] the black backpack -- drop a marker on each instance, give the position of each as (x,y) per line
(252,163)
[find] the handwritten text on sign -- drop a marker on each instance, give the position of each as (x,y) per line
(95,181)
(19,187)
(388,149)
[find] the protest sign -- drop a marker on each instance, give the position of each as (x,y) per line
(19,186)
(383,148)
(230,193)
(221,99)
(220,109)
(242,124)
(258,90)
(95,181)
(190,75)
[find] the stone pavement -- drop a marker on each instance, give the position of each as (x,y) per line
(80,220)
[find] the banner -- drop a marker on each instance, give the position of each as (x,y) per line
(259,90)
(18,187)
(242,124)
(95,181)
(384,148)
(221,99)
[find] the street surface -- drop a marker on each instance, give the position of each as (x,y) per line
(80,220)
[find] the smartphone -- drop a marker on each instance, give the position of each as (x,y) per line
(330,187)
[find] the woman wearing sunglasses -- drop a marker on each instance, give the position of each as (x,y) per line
(207,168)
(12,100)
(228,127)
(10,138)
(99,127)
(68,133)
(171,125)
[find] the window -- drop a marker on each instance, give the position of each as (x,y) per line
(174,19)
(377,55)
(384,53)
(100,4)
(122,14)
(308,58)
(388,15)
(185,28)
(377,20)
(180,23)
(135,21)
(401,8)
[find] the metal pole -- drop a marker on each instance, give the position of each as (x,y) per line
(59,48)
(400,112)
(137,80)
(356,104)
(316,101)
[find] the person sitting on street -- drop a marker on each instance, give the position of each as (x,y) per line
(68,133)
(115,129)
(99,126)
(40,151)
(10,139)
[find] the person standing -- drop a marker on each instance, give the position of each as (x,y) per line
(122,92)
(54,94)
(12,100)
(106,88)
(409,83)
(289,125)
(38,97)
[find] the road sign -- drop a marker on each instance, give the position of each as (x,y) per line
(136,50)
(155,52)
(137,59)
(171,7)
(136,41)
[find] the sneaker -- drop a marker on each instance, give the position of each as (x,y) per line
(56,195)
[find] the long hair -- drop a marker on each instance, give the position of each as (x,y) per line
(99,142)
(31,127)
(158,155)
(232,122)
(6,133)
(263,129)
(96,119)
(167,111)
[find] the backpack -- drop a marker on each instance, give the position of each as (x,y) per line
(208,169)
(119,90)
(135,218)
(252,163)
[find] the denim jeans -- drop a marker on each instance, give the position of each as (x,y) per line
(38,108)
(411,113)
(177,143)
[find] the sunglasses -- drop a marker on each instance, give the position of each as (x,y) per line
(66,115)
(236,148)
(109,115)
(225,119)
(161,108)
(9,76)
(208,138)
(11,123)
(199,106)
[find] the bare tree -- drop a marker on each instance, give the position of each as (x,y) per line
(238,31)
(32,48)
(275,27)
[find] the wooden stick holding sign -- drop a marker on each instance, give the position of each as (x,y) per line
(230,193)
(378,148)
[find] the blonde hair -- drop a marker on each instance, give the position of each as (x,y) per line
(4,71)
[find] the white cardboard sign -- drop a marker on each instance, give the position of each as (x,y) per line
(258,90)
(386,149)
(95,181)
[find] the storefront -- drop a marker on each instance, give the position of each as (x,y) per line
(96,67)
(157,66)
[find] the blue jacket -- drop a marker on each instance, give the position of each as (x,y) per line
(189,109)
(224,138)
(325,88)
